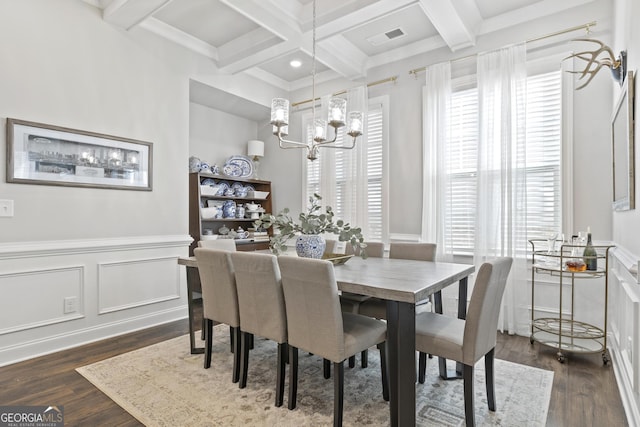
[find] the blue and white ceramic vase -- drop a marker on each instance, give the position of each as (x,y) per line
(229,209)
(310,245)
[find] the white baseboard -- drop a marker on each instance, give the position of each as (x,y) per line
(75,338)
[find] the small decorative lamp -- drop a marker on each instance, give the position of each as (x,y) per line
(255,150)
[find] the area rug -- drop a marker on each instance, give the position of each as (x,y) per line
(165,385)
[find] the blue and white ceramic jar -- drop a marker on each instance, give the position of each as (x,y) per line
(229,209)
(310,245)
(239,211)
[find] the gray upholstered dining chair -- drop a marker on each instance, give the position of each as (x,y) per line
(221,244)
(467,341)
(316,324)
(373,249)
(262,310)
(219,300)
(330,246)
(224,245)
(350,301)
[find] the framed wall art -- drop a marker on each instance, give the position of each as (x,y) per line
(623,150)
(54,155)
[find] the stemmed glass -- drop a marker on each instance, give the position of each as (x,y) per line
(551,242)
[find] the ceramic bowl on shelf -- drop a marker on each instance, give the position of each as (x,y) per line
(208,213)
(209,190)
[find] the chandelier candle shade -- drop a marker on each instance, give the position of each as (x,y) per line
(337,117)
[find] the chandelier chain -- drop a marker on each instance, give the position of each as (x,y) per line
(313,63)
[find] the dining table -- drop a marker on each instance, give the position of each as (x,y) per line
(403,284)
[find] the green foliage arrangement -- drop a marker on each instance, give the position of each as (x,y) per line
(314,221)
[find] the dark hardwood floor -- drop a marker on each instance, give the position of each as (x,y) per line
(584,391)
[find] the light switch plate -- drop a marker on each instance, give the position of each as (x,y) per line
(6,208)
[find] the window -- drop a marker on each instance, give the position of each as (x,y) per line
(346,174)
(543,163)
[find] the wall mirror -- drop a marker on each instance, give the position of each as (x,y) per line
(622,123)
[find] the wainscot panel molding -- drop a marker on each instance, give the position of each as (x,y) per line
(47,284)
(69,247)
(624,329)
(62,294)
(123,284)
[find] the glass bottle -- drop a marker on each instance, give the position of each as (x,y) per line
(590,254)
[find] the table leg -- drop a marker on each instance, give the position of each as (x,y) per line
(462,314)
(193,285)
(401,358)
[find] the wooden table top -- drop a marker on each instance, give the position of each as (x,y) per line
(393,279)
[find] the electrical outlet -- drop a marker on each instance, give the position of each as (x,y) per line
(6,208)
(70,305)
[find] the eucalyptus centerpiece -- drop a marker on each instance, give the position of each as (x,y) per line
(312,223)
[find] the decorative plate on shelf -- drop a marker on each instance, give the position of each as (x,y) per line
(238,166)
(224,185)
(208,181)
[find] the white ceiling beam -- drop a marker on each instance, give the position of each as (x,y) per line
(247,44)
(528,13)
(342,56)
(457,21)
(180,37)
(260,57)
(129,13)
(362,16)
(258,11)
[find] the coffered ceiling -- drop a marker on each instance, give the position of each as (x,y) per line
(261,37)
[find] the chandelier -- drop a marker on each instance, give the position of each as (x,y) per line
(336,118)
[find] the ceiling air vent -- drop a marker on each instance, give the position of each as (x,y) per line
(385,37)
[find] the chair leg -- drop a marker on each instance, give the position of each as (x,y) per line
(467,375)
(202,332)
(208,343)
(352,361)
(231,338)
(244,360)
(383,370)
(282,350)
(326,368)
(338,393)
(235,332)
(489,379)
(422,367)
(293,376)
(364,358)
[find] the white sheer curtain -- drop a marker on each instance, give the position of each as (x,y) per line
(355,163)
(501,198)
(436,203)
(327,161)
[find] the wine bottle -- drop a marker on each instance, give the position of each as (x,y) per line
(590,254)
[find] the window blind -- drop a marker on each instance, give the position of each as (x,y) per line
(374,156)
(543,161)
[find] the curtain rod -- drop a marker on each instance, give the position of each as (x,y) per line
(377,82)
(586,26)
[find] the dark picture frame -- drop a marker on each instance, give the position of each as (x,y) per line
(44,154)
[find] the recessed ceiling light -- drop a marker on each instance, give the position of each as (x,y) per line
(295,63)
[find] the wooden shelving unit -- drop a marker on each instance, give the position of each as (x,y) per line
(197,199)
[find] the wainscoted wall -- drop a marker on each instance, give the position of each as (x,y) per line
(624,329)
(77,291)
